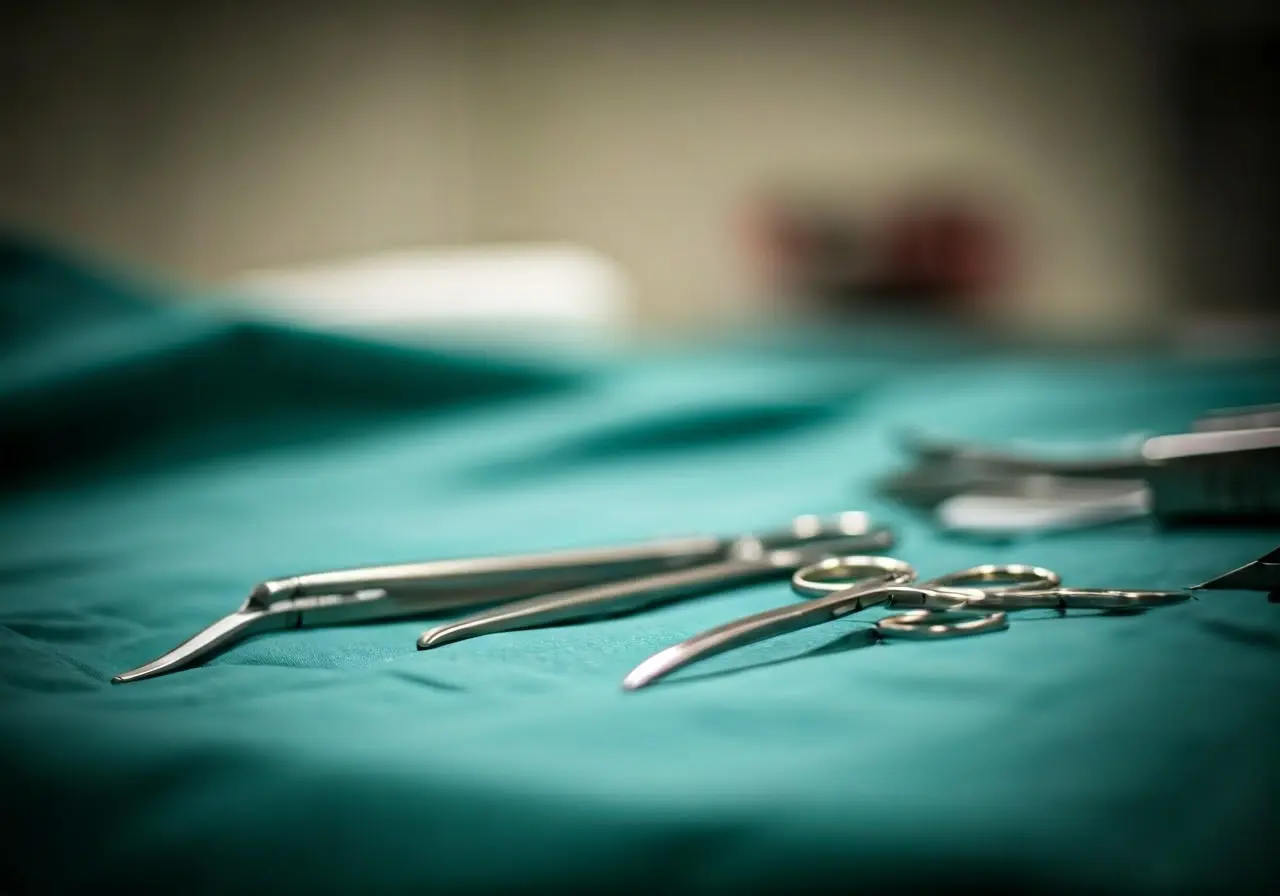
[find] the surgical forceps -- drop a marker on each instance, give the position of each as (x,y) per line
(1223,471)
(748,561)
(968,602)
(390,592)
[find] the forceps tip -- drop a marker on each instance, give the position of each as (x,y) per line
(657,666)
(200,645)
(435,637)
(166,663)
(634,682)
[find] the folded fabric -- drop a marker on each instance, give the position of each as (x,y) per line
(160,460)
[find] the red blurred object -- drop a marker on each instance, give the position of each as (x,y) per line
(779,243)
(930,252)
(941,248)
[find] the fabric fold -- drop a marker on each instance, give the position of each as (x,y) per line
(94,365)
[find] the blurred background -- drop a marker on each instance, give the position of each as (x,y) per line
(1086,171)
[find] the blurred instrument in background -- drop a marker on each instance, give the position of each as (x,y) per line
(1225,470)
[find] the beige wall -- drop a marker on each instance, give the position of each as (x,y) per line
(208,137)
(638,127)
(212,140)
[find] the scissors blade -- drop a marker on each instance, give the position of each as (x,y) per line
(1262,574)
(226,630)
(761,626)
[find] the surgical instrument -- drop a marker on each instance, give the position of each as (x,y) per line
(1222,472)
(1121,459)
(1258,416)
(1226,475)
(1262,574)
(390,592)
(749,561)
(967,602)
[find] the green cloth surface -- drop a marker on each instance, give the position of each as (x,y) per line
(160,459)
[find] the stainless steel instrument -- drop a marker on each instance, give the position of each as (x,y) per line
(968,602)
(414,589)
(1226,470)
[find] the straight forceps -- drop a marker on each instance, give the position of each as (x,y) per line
(969,602)
(413,589)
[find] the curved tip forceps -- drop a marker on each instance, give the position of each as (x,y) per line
(968,602)
(746,560)
(390,592)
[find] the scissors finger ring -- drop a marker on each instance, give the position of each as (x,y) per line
(934,624)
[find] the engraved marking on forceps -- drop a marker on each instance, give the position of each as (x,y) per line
(311,602)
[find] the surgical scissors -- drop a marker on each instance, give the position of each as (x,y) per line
(750,561)
(968,602)
(412,589)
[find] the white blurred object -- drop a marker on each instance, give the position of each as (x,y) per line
(1055,504)
(562,294)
